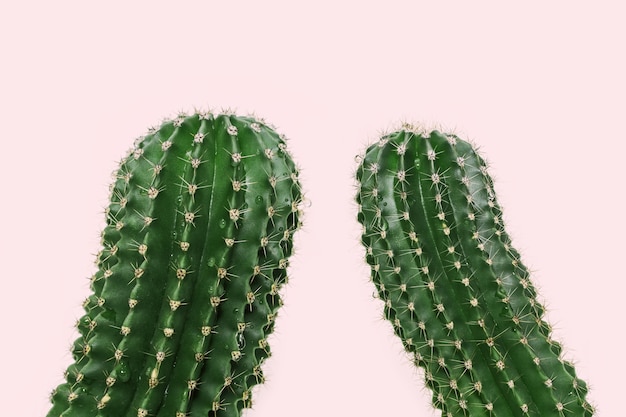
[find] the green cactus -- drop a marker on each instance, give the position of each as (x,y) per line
(198,235)
(455,290)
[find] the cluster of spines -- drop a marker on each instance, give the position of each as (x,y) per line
(199,232)
(454,288)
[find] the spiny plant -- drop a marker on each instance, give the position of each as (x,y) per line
(195,249)
(453,286)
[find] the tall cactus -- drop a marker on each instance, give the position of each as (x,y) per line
(454,288)
(198,235)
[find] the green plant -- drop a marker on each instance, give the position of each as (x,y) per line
(454,288)
(195,249)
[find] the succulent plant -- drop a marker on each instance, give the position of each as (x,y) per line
(453,286)
(198,234)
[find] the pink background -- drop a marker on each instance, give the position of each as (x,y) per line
(540,86)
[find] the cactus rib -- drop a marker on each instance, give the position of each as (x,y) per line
(198,236)
(453,286)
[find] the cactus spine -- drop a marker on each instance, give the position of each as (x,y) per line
(198,235)
(454,288)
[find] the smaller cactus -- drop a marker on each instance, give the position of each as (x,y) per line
(198,236)
(454,288)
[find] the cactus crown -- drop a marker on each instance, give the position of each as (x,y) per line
(198,235)
(453,286)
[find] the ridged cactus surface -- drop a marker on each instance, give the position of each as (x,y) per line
(198,235)
(454,288)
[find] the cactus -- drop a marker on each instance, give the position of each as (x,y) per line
(454,288)
(195,249)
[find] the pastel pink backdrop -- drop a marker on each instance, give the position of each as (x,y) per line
(539,86)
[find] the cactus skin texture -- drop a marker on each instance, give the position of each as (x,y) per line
(454,288)
(198,235)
